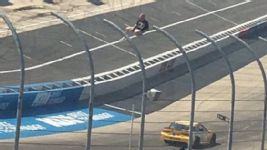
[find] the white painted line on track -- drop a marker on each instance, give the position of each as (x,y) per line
(206,14)
(262,38)
(225,19)
(101,34)
(101,40)
(65,43)
(122,109)
(115,42)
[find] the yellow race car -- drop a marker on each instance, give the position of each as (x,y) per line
(178,133)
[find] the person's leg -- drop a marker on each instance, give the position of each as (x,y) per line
(138,32)
(129,29)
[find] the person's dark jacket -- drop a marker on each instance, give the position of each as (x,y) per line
(142,25)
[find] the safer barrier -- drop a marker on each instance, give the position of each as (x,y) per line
(36,95)
(253,31)
(76,90)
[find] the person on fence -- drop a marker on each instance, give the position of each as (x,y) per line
(140,27)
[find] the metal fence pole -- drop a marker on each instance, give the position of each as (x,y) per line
(265,101)
(131,131)
(193,85)
(22,78)
(142,66)
(230,134)
(92,70)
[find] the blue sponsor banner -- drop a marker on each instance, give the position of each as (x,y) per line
(68,121)
(66,96)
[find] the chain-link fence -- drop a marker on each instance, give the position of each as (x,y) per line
(54,51)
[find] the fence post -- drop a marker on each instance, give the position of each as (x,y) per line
(265,100)
(92,89)
(193,85)
(142,66)
(131,131)
(22,78)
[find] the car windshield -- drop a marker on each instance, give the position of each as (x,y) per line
(177,126)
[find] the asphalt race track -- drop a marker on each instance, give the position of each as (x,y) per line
(183,17)
(46,49)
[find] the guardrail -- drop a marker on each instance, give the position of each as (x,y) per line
(74,91)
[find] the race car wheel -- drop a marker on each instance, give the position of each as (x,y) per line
(167,142)
(213,139)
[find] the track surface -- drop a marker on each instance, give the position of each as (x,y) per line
(109,137)
(46,49)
